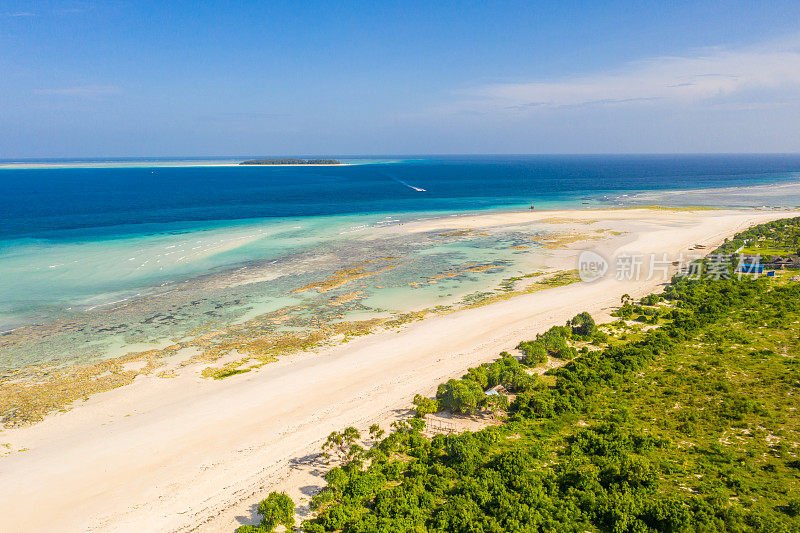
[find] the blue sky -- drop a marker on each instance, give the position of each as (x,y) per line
(117,78)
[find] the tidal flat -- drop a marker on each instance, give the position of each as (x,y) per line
(248,314)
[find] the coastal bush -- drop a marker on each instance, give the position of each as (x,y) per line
(583,325)
(424,405)
(277,508)
(342,446)
(534,352)
(555,338)
(468,394)
(651,299)
(566,353)
(555,341)
(600,337)
(627,310)
(460,396)
(376,432)
(793,507)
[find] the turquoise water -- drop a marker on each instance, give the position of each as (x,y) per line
(158,251)
(41,276)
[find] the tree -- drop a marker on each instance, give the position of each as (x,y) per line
(566,353)
(376,432)
(343,444)
(460,396)
(277,508)
(535,352)
(425,405)
(583,325)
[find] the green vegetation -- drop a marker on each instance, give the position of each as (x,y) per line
(555,342)
(278,508)
(583,325)
(466,395)
(226,371)
(780,237)
(291,162)
(343,446)
(765,251)
(551,280)
(687,425)
(424,405)
(647,311)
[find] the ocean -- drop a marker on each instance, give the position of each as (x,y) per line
(74,203)
(80,239)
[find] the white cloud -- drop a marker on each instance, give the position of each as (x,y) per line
(20,14)
(85,91)
(712,76)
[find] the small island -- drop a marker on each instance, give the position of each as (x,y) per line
(291,162)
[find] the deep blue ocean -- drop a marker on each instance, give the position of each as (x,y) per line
(77,238)
(69,203)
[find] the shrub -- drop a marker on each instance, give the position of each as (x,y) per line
(460,396)
(277,508)
(583,325)
(248,528)
(651,299)
(793,507)
(534,352)
(424,405)
(566,353)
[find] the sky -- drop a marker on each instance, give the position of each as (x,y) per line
(237,78)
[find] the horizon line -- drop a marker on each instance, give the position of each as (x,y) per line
(384,155)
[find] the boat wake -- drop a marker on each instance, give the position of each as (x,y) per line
(398,180)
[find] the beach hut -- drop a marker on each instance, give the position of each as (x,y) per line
(498,389)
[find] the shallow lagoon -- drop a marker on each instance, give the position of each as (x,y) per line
(350,267)
(91,269)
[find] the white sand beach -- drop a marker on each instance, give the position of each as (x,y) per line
(189,453)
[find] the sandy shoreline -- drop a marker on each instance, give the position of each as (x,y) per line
(178,453)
